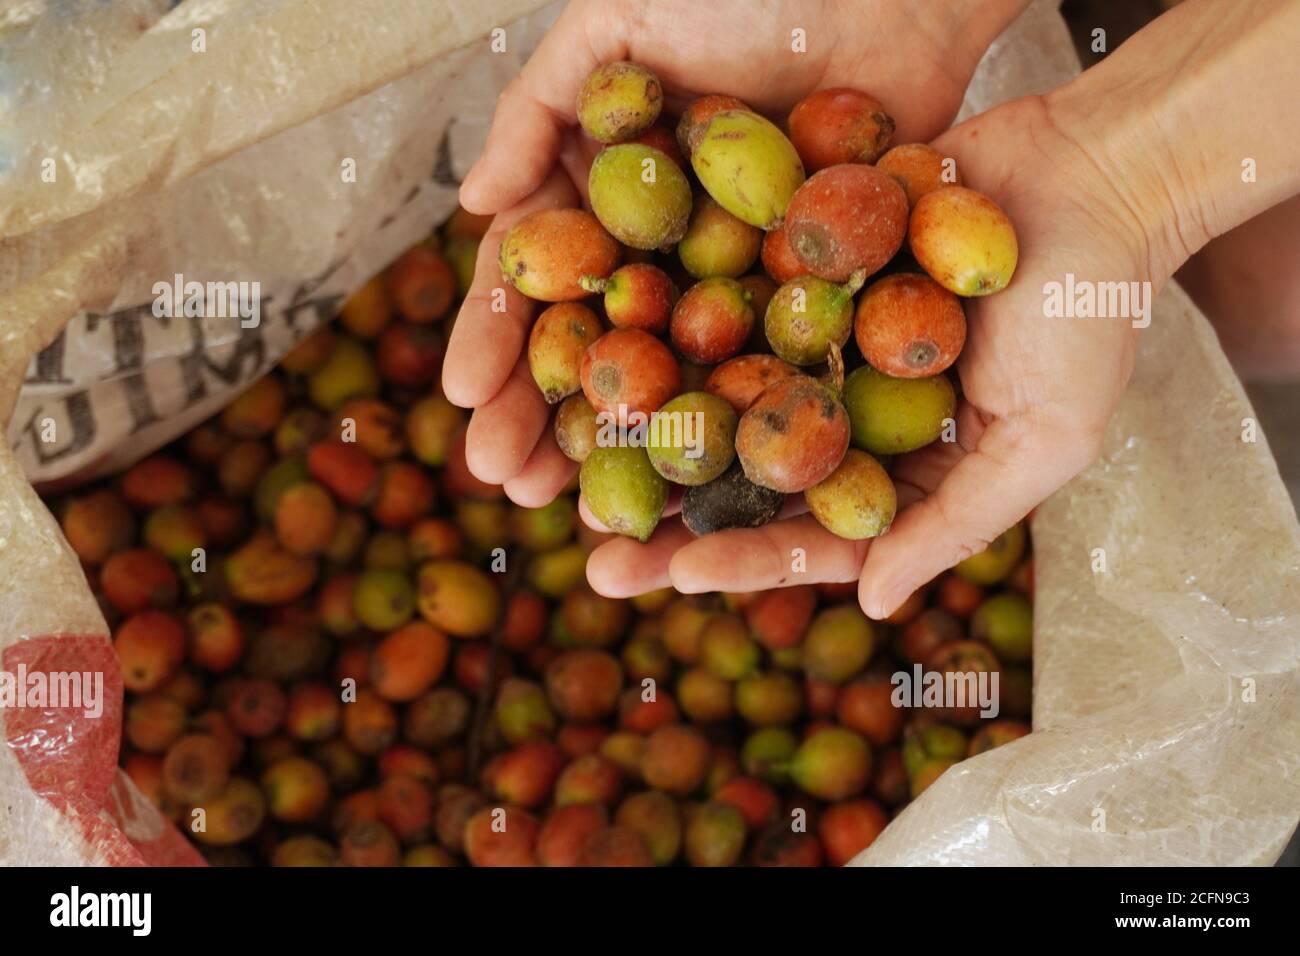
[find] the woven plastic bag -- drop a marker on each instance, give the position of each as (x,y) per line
(297,145)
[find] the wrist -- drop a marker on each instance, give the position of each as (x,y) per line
(1141,187)
(1187,124)
(967,27)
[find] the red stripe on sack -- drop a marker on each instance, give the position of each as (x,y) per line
(70,759)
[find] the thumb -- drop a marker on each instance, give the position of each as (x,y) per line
(539,106)
(1018,461)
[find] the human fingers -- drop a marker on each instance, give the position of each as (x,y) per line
(485,344)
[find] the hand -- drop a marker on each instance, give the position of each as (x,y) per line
(1037,391)
(914,56)
(1112,178)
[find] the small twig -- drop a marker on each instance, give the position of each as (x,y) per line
(483,706)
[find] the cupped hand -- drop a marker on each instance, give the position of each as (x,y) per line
(1037,391)
(913,56)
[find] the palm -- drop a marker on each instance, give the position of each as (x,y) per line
(1017,360)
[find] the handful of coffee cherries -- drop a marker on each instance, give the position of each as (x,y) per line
(736,388)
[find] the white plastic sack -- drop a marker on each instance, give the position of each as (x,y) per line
(225,163)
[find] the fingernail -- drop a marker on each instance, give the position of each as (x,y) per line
(880,602)
(469,183)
